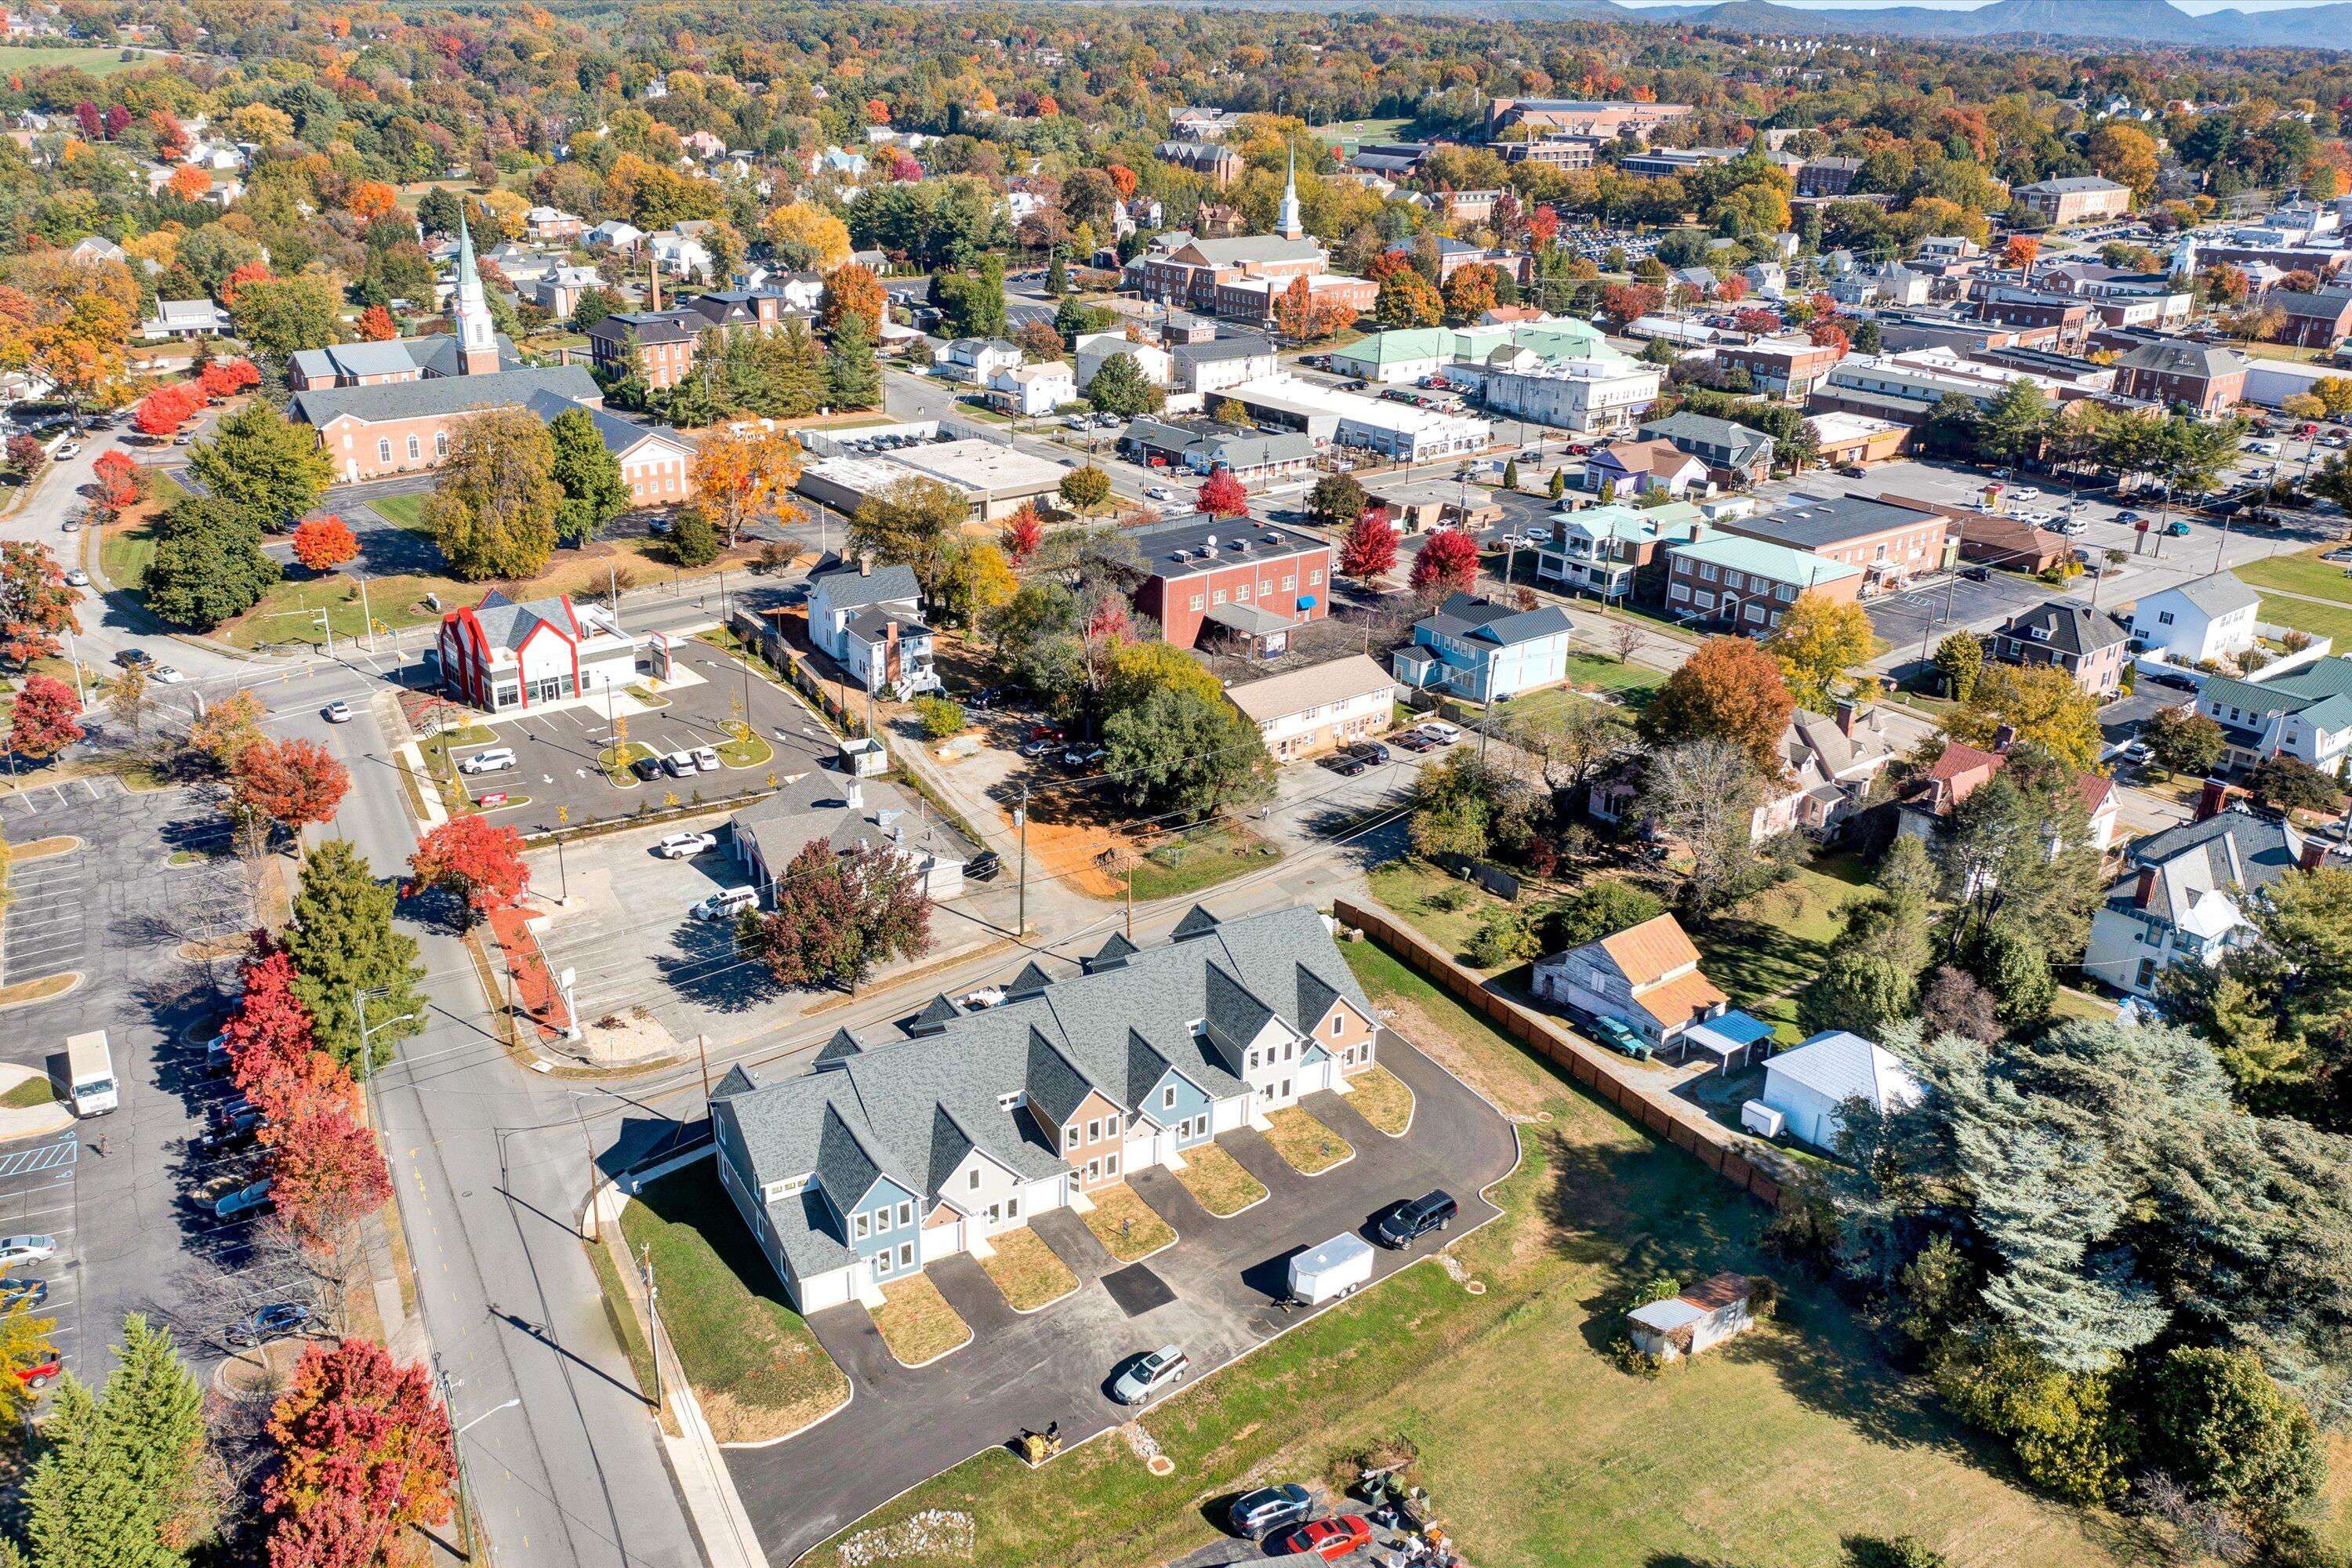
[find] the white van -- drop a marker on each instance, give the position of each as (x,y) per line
(497,759)
(90,1072)
(726,904)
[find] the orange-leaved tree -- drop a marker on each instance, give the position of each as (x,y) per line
(323,543)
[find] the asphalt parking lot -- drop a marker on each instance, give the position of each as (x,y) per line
(1936,609)
(37,1198)
(556,749)
(46,931)
(1219,1285)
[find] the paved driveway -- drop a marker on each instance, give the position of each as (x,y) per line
(1222,1280)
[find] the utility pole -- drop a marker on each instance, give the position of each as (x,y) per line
(1021,905)
(595,1231)
(653,1317)
(367,616)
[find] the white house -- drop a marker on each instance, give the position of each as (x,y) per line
(974,359)
(1807,1084)
(2304,714)
(1094,349)
(2183,891)
(501,656)
(185,318)
(2212,617)
(1029,391)
(867,618)
(1304,711)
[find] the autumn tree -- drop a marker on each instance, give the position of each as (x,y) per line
(1447,565)
(1960,659)
(326,1172)
(1223,494)
(120,480)
(227,727)
(365,1452)
(1470,292)
(227,377)
(1817,641)
(292,783)
(1023,531)
(910,523)
(1086,488)
(835,917)
(492,510)
(738,478)
(1406,298)
(1307,316)
(1731,689)
(36,605)
(323,544)
(165,409)
(2020,250)
(1335,501)
(376,325)
(270,1031)
(479,863)
(46,719)
(807,237)
(2041,703)
(1367,552)
(852,288)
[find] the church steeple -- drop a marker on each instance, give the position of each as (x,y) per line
(470,310)
(1287,222)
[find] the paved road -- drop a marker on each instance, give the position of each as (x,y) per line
(1222,1280)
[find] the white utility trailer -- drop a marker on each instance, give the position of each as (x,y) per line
(1332,1269)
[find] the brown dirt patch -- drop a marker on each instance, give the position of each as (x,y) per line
(1513,1093)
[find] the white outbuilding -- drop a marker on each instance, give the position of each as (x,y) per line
(1808,1083)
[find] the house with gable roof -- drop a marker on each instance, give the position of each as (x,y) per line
(1807,1083)
(1960,770)
(867,617)
(1482,651)
(1644,979)
(2303,714)
(503,657)
(893,1153)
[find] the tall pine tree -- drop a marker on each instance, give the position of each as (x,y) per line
(343,942)
(119,1481)
(851,379)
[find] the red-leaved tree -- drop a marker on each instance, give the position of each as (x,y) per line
(1448,564)
(251,272)
(35,605)
(1222,494)
(480,863)
(366,1453)
(1543,224)
(326,1174)
(293,782)
(323,543)
(1755,318)
(47,719)
(1023,531)
(227,377)
(1732,290)
(837,916)
(376,325)
(1368,549)
(121,481)
(1627,301)
(1827,333)
(270,1033)
(167,408)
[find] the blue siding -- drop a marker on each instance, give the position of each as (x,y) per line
(1191,1100)
(880,1203)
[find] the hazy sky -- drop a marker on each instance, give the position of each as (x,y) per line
(2200,6)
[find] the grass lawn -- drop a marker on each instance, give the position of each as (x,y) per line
(17,60)
(1217,1181)
(31,1093)
(1026,1270)
(1199,859)
(1382,1100)
(2074,1004)
(1763,950)
(615,761)
(1598,672)
(1409,886)
(1536,1451)
(1309,1145)
(2319,620)
(755,1366)
(400,512)
(1127,1226)
(2304,572)
(626,1327)
(917,1322)
(747,749)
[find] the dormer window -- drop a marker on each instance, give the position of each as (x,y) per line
(1008,1103)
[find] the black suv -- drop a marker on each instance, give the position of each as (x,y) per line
(1417,1217)
(1254,1514)
(1370,751)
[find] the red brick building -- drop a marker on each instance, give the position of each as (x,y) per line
(2210,378)
(1249,578)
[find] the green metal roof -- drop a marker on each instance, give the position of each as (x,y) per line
(1387,348)
(1763,559)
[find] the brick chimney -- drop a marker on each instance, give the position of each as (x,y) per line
(2211,798)
(865,563)
(1847,708)
(2313,856)
(2146,891)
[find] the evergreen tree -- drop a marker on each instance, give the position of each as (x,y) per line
(119,1482)
(1511,474)
(208,565)
(1960,659)
(594,490)
(264,462)
(1071,317)
(800,378)
(851,379)
(343,942)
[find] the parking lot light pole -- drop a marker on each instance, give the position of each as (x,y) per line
(1021,905)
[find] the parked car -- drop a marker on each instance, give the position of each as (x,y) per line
(1440,732)
(726,904)
(678,765)
(131,657)
(77,578)
(1413,740)
(1415,1217)
(647,768)
(228,1112)
(1254,1513)
(164,674)
(68,452)
(1083,756)
(26,1293)
(276,1321)
(1158,492)
(2025,492)
(247,1200)
(18,1250)
(42,1372)
(657,525)
(1346,766)
(1155,1372)
(338,712)
(1042,733)
(705,759)
(496,760)
(2263,448)
(1034,749)
(1368,751)
(686,846)
(982,866)
(223,1141)
(1329,1538)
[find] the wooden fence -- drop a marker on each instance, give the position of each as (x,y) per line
(1751,1167)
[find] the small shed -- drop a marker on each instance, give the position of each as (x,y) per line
(1731,1037)
(1698,1319)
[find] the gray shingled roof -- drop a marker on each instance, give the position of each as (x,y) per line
(845,588)
(443,395)
(2219,594)
(2074,627)
(1475,619)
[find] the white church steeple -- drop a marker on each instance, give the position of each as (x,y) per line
(1287,222)
(470,310)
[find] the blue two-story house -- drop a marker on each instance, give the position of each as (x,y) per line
(1480,651)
